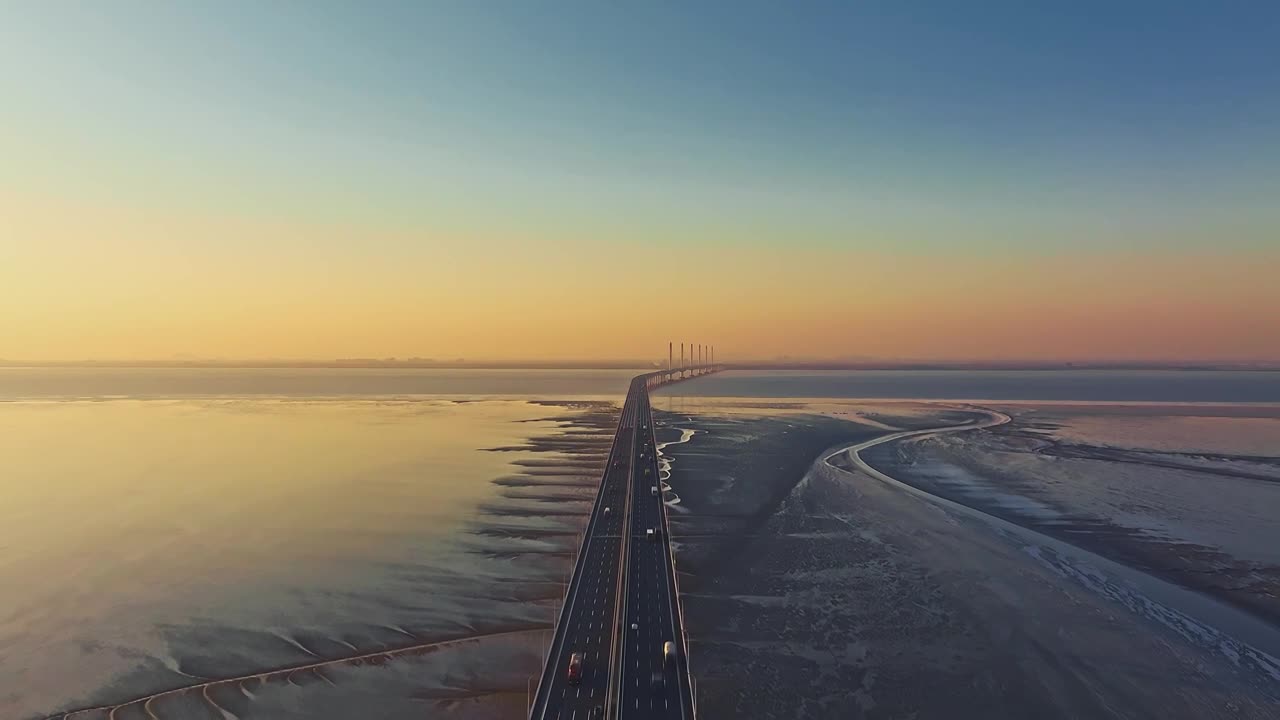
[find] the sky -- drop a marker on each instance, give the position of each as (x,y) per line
(512,180)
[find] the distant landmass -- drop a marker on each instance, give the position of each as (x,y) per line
(628,364)
(1010,365)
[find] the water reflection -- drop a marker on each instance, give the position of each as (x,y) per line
(146,545)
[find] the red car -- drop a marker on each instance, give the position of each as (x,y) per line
(575,668)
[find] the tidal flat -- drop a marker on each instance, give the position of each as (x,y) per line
(990,572)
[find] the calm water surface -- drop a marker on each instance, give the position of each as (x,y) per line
(161,527)
(149,544)
(78,382)
(1077,385)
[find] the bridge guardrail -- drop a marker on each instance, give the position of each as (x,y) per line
(566,605)
(673,578)
(620,599)
(665,378)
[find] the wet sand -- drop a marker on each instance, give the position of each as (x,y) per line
(811,589)
(410,618)
(815,590)
(1111,480)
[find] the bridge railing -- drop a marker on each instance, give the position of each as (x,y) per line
(674,579)
(649,381)
(567,601)
(617,647)
(658,378)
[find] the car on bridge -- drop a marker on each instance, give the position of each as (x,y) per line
(575,668)
(668,653)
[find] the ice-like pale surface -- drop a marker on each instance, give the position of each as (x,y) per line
(1171,491)
(1175,433)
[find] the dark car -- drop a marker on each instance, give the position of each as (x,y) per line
(575,668)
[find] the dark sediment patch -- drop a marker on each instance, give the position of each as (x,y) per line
(574,461)
(547,493)
(511,530)
(569,443)
(572,481)
(943,416)
(602,407)
(727,497)
(538,509)
(578,473)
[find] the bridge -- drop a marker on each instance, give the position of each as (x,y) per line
(622,604)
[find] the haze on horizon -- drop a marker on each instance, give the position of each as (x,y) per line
(500,181)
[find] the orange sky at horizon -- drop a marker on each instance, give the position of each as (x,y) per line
(155,286)
(213,181)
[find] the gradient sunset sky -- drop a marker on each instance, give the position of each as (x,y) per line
(497,180)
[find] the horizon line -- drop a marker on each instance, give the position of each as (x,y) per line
(638,364)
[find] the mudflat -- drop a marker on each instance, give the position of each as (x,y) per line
(813,589)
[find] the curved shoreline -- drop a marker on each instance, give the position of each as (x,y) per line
(664,466)
(285,672)
(1215,626)
(854,451)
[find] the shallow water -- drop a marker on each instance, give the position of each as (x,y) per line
(100,382)
(154,544)
(338,540)
(1092,385)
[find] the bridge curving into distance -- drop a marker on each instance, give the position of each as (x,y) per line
(622,605)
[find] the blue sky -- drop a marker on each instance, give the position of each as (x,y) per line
(1162,100)
(894,128)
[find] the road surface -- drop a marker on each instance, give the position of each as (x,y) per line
(588,623)
(652,686)
(624,673)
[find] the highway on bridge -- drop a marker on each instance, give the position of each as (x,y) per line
(622,672)
(653,686)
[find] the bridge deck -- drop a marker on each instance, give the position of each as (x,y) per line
(623,674)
